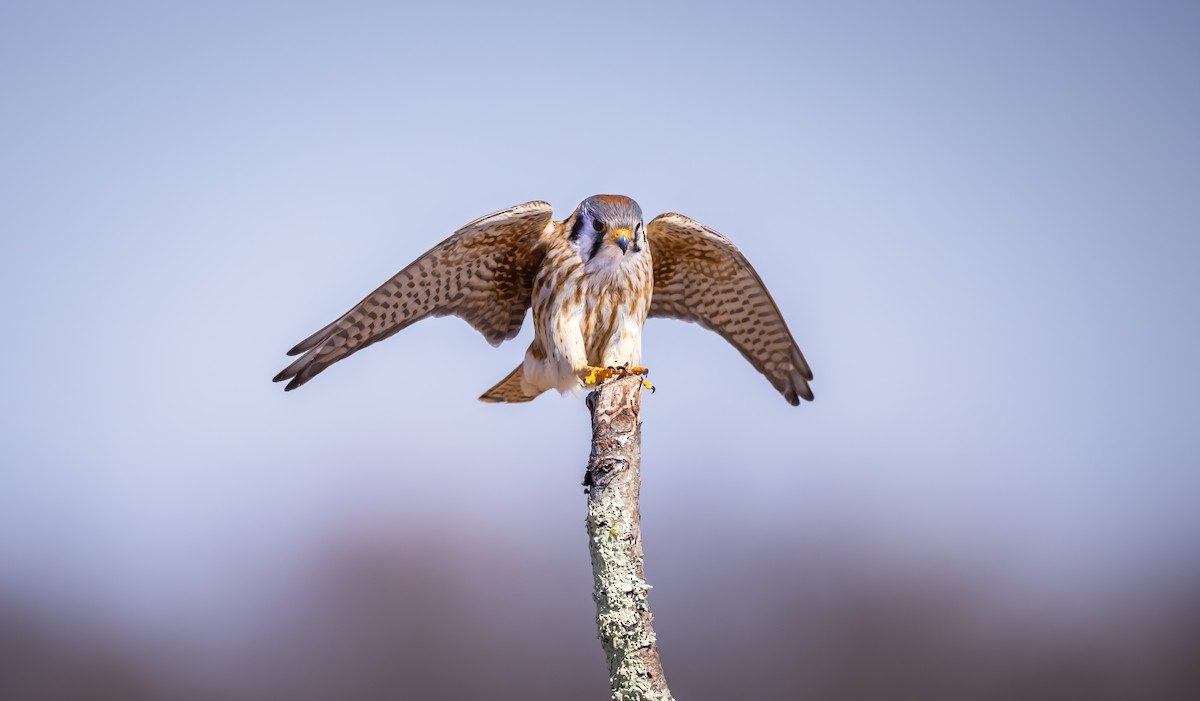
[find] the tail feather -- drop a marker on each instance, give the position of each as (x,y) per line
(509,389)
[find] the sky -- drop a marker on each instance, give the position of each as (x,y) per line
(979,221)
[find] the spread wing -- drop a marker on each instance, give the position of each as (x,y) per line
(700,276)
(483,273)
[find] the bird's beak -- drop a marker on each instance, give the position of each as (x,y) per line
(621,237)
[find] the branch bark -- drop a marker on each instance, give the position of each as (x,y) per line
(615,540)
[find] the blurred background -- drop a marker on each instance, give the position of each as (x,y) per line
(980,222)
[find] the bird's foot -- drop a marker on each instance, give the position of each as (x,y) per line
(626,370)
(592,376)
(639,370)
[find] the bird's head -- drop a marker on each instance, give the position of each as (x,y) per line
(607,228)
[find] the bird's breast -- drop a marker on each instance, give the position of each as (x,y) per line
(602,306)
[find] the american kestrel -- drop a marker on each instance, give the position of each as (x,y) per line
(592,279)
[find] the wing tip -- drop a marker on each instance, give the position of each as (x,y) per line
(295,381)
(797,389)
(296,372)
(793,397)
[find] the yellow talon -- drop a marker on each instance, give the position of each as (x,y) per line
(595,375)
(592,376)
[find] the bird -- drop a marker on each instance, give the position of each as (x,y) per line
(591,279)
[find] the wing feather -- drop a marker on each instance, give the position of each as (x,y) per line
(700,276)
(483,273)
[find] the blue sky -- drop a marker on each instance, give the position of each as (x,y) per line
(980,222)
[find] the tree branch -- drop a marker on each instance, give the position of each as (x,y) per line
(615,540)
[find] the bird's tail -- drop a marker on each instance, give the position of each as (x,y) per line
(509,389)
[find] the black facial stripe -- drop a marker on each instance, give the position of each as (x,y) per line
(575,229)
(596,247)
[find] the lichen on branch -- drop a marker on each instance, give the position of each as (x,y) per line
(623,616)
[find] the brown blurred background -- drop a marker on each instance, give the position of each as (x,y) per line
(376,618)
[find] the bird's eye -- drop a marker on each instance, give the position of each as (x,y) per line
(597,225)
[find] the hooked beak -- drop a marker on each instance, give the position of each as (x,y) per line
(621,237)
